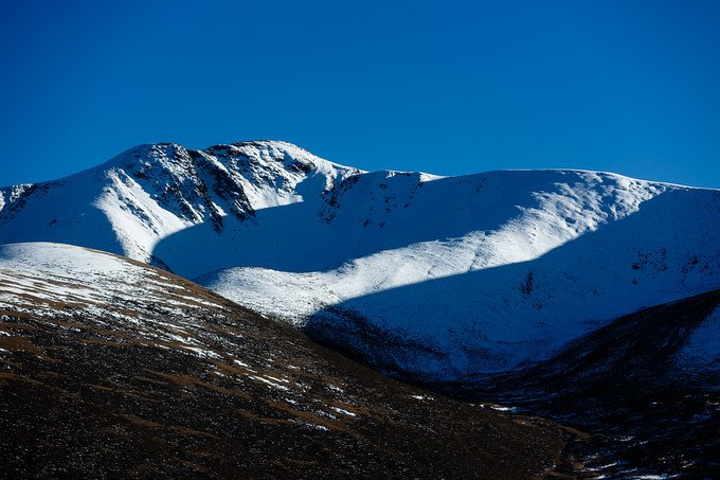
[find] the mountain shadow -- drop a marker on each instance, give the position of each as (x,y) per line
(627,382)
(495,319)
(365,214)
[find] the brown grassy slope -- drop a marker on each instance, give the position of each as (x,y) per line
(148,389)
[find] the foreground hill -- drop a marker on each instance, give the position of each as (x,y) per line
(413,273)
(110,368)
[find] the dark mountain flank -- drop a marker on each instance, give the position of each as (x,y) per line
(116,369)
(635,384)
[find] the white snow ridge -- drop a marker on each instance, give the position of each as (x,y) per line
(477,273)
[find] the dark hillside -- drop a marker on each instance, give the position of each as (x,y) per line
(164,379)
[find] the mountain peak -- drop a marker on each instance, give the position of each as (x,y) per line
(260,158)
(151,191)
(275,152)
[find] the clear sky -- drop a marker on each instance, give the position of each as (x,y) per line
(448,87)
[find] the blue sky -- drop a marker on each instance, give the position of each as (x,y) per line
(447,87)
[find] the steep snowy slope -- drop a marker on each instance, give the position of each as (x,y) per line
(441,276)
(130,203)
(701,354)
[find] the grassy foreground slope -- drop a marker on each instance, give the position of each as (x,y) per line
(112,368)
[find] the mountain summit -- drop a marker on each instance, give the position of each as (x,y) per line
(130,203)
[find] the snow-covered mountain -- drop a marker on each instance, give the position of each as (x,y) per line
(410,271)
(146,194)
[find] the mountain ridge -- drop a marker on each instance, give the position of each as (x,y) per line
(279,230)
(483,285)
